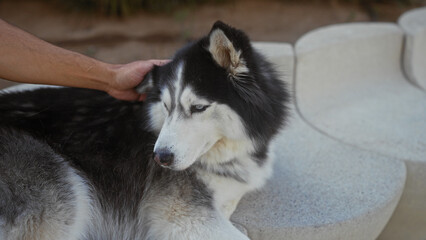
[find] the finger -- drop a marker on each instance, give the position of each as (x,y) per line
(127,95)
(159,62)
(142,97)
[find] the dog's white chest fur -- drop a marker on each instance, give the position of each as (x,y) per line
(227,191)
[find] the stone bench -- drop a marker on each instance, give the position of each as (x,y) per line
(351,87)
(409,219)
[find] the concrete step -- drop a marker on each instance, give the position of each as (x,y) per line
(414,25)
(350,86)
(409,219)
(321,188)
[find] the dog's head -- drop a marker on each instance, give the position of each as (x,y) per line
(200,102)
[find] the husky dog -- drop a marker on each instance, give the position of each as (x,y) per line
(78,164)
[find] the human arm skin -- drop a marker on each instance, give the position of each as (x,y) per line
(27,59)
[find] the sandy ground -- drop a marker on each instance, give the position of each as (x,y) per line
(147,35)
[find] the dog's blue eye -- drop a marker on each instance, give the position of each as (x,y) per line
(198,108)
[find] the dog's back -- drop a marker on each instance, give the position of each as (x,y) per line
(55,141)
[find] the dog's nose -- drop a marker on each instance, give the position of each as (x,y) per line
(164,157)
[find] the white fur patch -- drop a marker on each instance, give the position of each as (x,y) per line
(178,83)
(83,206)
(174,219)
(156,117)
(227,191)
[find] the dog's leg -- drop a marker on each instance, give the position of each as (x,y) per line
(41,196)
(185,213)
(218,228)
(206,226)
(228,207)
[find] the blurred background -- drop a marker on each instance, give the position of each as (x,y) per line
(120,31)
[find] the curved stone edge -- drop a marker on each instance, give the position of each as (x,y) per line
(331,218)
(338,83)
(343,33)
(365,225)
(409,218)
(414,58)
(327,209)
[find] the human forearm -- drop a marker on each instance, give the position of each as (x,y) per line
(25,58)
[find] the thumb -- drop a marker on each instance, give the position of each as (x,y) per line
(126,95)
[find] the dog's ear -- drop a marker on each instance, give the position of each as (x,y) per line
(229,47)
(147,83)
(223,47)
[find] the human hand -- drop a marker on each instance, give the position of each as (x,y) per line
(25,58)
(128,76)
